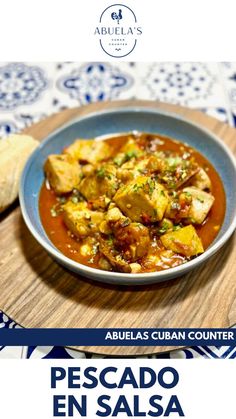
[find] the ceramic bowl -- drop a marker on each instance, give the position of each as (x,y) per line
(120,120)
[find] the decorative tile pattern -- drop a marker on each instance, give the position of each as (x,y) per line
(229,75)
(55,352)
(95,82)
(30,92)
(9,351)
(179,82)
(210,352)
(20,84)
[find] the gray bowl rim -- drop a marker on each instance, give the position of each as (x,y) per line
(119,277)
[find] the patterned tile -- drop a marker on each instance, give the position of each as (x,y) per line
(191,84)
(234,115)
(229,79)
(218,113)
(9,351)
(55,352)
(31,91)
(210,352)
(20,84)
(94,82)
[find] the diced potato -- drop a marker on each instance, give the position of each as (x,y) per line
(114,214)
(201,180)
(142,199)
(63,173)
(80,220)
(201,203)
(184,241)
(102,182)
(135,268)
(89,151)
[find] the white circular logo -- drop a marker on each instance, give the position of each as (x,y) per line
(118,30)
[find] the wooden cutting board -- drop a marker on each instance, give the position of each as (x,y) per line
(36,292)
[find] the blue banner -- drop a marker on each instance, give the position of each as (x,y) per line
(118,337)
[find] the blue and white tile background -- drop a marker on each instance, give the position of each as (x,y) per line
(32,91)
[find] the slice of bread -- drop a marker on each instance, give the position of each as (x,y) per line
(14,151)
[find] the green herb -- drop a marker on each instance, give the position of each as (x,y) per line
(152,185)
(125,223)
(101,173)
(136,187)
(201,200)
(176,227)
(173,161)
(188,194)
(130,154)
(164,228)
(119,159)
(110,239)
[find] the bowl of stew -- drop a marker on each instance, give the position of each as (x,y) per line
(130,195)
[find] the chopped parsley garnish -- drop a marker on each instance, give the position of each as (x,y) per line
(101,173)
(163,229)
(125,223)
(130,154)
(176,227)
(152,185)
(110,239)
(188,194)
(119,159)
(136,187)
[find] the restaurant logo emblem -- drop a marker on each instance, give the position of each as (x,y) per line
(118,30)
